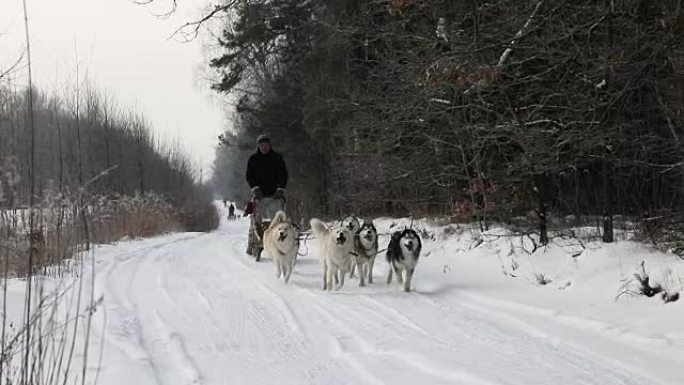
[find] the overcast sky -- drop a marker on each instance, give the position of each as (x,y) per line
(125,50)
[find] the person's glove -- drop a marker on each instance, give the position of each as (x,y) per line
(279,194)
(256,192)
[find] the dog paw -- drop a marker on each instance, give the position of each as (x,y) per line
(362,284)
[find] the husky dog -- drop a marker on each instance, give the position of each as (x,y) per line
(352,224)
(335,245)
(280,242)
(402,254)
(366,248)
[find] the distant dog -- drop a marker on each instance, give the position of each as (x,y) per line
(335,245)
(365,248)
(280,242)
(402,254)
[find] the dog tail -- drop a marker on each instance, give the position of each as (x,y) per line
(318,227)
(279,218)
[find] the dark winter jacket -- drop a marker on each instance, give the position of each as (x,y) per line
(267,171)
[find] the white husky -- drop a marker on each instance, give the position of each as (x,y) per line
(335,245)
(280,242)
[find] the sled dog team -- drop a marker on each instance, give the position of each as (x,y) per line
(343,249)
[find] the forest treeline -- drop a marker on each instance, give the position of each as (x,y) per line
(97,174)
(470,109)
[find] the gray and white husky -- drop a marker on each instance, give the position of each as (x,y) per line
(335,245)
(352,224)
(365,248)
(403,252)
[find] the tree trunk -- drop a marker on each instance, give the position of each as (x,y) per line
(608,205)
(541,214)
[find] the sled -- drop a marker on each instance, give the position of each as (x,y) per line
(264,211)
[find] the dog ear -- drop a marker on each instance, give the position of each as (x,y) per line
(278,218)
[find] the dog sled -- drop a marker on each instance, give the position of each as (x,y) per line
(262,212)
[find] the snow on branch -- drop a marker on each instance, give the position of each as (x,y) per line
(508,51)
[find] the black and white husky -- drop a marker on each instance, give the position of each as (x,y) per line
(335,245)
(365,248)
(280,241)
(402,254)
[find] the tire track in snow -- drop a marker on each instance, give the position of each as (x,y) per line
(124,330)
(476,326)
(170,346)
(408,359)
(291,319)
(393,315)
(250,318)
(551,352)
(134,336)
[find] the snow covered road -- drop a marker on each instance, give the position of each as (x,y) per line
(194,309)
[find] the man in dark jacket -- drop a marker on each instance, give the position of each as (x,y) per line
(266,171)
(267,177)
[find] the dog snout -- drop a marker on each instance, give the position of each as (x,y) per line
(409,245)
(282,236)
(341,239)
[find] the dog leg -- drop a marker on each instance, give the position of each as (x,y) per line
(341,274)
(389,274)
(362,275)
(353,264)
(370,269)
(325,275)
(409,275)
(399,272)
(331,276)
(278,270)
(288,272)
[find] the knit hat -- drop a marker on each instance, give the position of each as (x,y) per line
(263,138)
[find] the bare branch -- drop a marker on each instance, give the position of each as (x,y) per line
(190,30)
(162,15)
(14,66)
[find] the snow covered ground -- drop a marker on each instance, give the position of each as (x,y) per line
(192,308)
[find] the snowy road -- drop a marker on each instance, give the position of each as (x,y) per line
(194,309)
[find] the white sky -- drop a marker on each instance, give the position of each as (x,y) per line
(125,50)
